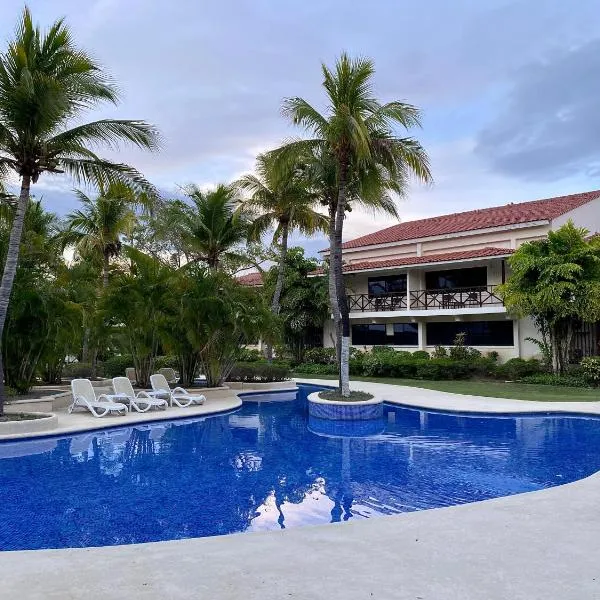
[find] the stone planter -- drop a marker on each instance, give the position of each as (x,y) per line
(344,411)
(44,422)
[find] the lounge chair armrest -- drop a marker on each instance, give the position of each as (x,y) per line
(145,394)
(180,390)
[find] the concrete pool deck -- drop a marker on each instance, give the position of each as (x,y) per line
(540,545)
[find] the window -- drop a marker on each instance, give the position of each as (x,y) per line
(456,278)
(379,286)
(406,334)
(369,335)
(375,334)
(478,333)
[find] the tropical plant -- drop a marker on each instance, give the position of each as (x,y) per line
(96,230)
(46,83)
(138,305)
(356,137)
(556,281)
(212,228)
(284,200)
(304,306)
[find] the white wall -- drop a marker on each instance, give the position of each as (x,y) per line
(587,216)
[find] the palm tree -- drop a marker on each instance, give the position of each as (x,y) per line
(212,227)
(96,229)
(283,199)
(46,83)
(357,137)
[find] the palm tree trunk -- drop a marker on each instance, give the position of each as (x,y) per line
(275,303)
(339,283)
(10,268)
(333,300)
(285,230)
(105,267)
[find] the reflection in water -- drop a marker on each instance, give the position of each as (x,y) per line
(267,466)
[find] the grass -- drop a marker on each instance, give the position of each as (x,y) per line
(490,389)
(355,396)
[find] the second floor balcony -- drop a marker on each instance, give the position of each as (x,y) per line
(477,297)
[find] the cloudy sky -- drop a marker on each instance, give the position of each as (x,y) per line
(509,89)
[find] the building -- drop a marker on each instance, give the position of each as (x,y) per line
(417,284)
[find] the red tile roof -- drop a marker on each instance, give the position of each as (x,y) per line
(250,279)
(483,218)
(369,265)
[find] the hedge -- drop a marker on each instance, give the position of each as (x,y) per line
(256,372)
(115,365)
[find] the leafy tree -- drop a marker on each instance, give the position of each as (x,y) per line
(212,228)
(304,306)
(46,83)
(556,281)
(357,137)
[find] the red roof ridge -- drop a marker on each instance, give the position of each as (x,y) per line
(253,279)
(367,265)
(543,209)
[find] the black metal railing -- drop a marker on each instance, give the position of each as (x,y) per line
(471,297)
(368,303)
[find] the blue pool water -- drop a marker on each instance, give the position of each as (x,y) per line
(266,466)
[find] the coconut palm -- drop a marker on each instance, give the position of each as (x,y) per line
(357,135)
(46,83)
(212,227)
(284,200)
(96,229)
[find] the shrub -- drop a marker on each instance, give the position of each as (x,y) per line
(439,352)
(168,361)
(317,369)
(421,355)
(555,379)
(321,356)
(115,365)
(517,368)
(250,355)
(444,368)
(77,370)
(590,368)
(493,355)
(382,349)
(258,373)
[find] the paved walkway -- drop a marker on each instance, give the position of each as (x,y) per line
(538,546)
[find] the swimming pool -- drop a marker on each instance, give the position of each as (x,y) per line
(266,466)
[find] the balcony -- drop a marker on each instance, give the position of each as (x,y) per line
(418,300)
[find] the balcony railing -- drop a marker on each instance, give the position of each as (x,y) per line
(472,297)
(367,303)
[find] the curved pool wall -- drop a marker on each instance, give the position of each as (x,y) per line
(268,466)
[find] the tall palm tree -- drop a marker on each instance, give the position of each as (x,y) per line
(357,136)
(46,83)
(96,229)
(212,227)
(285,201)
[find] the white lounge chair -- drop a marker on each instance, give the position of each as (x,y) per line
(142,401)
(169,374)
(178,395)
(84,396)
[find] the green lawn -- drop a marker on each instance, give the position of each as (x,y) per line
(493,389)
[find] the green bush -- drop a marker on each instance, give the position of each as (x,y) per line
(517,368)
(168,361)
(444,368)
(554,379)
(115,365)
(250,355)
(493,355)
(382,349)
(321,356)
(420,354)
(317,369)
(255,372)
(439,352)
(590,368)
(77,370)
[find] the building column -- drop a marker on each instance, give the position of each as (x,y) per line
(422,341)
